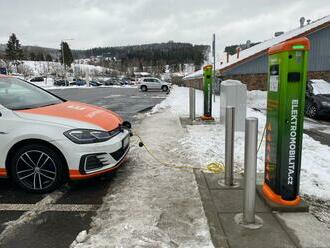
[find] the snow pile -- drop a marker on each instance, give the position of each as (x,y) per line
(178,101)
(205,143)
(257,99)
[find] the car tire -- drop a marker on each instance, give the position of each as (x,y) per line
(165,88)
(37,168)
(144,88)
(312,111)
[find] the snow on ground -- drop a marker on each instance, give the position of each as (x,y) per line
(39,68)
(205,143)
(150,205)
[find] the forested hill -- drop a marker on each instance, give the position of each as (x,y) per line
(151,54)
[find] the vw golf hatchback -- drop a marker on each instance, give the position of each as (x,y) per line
(46,140)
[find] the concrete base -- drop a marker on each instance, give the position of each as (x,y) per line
(187,121)
(301,207)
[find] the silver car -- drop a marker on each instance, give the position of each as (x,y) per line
(151,83)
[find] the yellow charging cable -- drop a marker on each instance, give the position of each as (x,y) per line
(214,167)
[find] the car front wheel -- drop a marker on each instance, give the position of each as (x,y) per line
(312,111)
(144,88)
(37,168)
(164,88)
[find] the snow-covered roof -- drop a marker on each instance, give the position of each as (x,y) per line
(262,47)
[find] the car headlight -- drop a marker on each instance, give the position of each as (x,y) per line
(88,136)
(326,104)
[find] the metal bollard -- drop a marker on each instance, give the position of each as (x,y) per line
(192,104)
(229,146)
(250,169)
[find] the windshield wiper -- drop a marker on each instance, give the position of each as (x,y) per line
(21,108)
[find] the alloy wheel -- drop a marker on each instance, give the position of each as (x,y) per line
(36,170)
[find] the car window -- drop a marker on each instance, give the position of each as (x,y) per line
(17,94)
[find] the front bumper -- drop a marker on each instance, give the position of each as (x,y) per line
(324,111)
(89,160)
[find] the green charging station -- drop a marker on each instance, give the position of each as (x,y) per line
(207,87)
(287,78)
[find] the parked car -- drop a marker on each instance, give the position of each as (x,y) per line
(108,82)
(317,98)
(80,82)
(95,83)
(37,79)
(46,140)
(113,81)
(61,82)
(150,83)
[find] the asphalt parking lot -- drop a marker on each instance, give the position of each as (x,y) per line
(55,219)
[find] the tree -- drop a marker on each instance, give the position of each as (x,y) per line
(49,57)
(33,56)
(66,51)
(14,50)
(40,56)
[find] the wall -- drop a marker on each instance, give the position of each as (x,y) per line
(256,81)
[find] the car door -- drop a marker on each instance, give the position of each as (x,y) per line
(148,82)
(156,84)
(6,126)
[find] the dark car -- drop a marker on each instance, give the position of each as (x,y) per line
(37,79)
(317,98)
(61,82)
(95,83)
(80,82)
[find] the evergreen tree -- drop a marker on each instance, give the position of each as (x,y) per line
(40,56)
(33,56)
(14,50)
(66,51)
(49,57)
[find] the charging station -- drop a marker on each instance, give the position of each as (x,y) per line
(207,87)
(285,115)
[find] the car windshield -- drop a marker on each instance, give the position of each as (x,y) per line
(16,94)
(321,87)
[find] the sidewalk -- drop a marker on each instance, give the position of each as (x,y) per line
(279,229)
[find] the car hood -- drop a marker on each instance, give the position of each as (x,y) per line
(74,114)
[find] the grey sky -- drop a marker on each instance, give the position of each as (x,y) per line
(126,22)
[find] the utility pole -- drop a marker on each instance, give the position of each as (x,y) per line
(214,76)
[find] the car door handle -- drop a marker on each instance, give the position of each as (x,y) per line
(3,133)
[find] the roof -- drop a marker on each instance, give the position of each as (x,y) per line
(262,48)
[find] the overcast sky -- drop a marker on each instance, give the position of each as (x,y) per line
(94,23)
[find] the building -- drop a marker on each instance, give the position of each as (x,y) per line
(251,65)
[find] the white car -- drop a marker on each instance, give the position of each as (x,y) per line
(150,83)
(46,140)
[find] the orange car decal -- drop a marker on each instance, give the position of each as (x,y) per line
(76,175)
(103,118)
